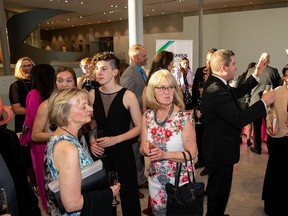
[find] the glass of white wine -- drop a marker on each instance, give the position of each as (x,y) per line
(3,202)
(113,179)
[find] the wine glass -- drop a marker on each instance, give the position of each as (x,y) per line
(151,169)
(198,114)
(95,134)
(200,88)
(3,202)
(113,179)
(267,89)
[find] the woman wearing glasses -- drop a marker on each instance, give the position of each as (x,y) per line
(19,90)
(17,95)
(167,131)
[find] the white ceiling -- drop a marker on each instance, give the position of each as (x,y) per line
(85,12)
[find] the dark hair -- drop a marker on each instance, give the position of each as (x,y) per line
(250,65)
(181,68)
(160,61)
(42,79)
(284,70)
(65,68)
(109,57)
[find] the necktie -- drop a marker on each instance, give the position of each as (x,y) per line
(142,72)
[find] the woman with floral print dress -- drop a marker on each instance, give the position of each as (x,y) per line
(167,131)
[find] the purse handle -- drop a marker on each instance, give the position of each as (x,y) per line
(179,167)
(190,158)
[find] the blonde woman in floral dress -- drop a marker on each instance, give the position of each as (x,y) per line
(167,131)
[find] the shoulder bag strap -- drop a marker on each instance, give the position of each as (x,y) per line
(177,174)
(190,158)
(184,155)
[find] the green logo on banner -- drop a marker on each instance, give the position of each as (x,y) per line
(165,46)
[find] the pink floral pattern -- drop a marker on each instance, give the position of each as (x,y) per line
(168,138)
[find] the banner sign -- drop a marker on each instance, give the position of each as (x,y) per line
(180,49)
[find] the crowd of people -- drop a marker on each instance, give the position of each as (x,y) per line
(152,116)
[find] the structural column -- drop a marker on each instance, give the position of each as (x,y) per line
(135,21)
(200,25)
(4,41)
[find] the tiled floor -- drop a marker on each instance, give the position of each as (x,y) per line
(245,196)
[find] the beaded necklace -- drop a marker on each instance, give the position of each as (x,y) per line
(163,122)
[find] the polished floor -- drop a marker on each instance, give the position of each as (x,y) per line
(245,196)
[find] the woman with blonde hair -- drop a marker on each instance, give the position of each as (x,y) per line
(167,131)
(18,92)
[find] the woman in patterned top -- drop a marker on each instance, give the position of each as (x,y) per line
(69,110)
(167,131)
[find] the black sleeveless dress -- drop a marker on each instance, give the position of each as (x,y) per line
(120,157)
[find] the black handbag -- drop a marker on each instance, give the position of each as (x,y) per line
(94,177)
(185,200)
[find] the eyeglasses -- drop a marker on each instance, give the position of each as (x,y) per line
(162,89)
(26,66)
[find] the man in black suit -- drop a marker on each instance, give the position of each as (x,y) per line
(270,76)
(224,121)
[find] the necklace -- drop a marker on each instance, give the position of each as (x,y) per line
(163,122)
(68,133)
(24,83)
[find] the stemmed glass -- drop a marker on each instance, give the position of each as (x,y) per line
(95,134)
(198,114)
(267,89)
(3,202)
(113,179)
(151,169)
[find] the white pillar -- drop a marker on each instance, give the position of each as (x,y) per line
(200,63)
(4,41)
(135,22)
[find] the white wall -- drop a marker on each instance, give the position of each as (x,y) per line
(247,33)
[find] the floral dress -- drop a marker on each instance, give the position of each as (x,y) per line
(51,172)
(168,138)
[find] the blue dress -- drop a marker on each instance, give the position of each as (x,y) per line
(51,172)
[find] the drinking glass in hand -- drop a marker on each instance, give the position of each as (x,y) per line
(3,202)
(96,133)
(267,89)
(151,169)
(113,179)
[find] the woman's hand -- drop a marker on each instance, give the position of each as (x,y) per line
(115,189)
(145,148)
(96,149)
(156,154)
(107,141)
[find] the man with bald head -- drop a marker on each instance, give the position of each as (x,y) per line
(270,76)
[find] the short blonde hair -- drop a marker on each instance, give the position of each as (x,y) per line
(157,78)
(18,73)
(59,104)
(134,50)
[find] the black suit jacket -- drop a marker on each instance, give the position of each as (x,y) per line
(224,120)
